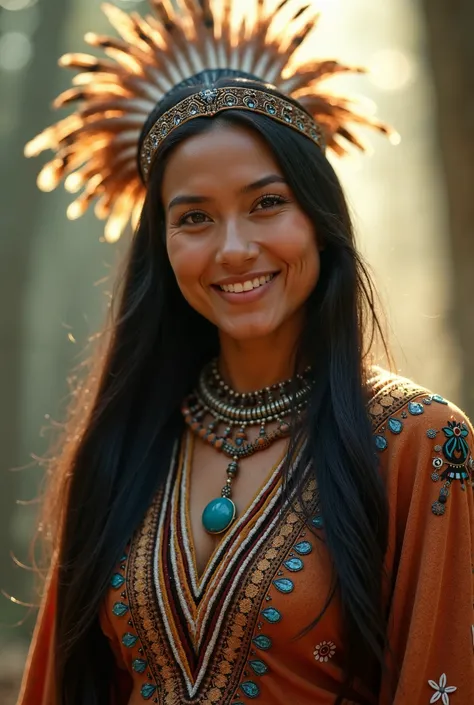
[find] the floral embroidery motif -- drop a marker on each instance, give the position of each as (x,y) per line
(390,395)
(250,689)
(395,426)
(442,690)
(456,454)
(381,442)
(129,640)
(239,669)
(453,459)
(284,585)
(415,409)
(235,665)
(318,521)
(324,651)
(455,449)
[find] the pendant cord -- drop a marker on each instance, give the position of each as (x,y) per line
(220,416)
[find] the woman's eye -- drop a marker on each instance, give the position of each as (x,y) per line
(269,202)
(194,218)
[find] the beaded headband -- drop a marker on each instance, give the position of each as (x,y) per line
(214,100)
(188,42)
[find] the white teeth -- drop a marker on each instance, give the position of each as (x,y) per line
(248,285)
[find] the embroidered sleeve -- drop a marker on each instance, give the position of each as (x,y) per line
(431,623)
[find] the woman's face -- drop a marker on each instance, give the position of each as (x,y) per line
(243,251)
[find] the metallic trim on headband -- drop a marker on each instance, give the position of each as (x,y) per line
(214,100)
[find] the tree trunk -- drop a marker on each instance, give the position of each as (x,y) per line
(31,90)
(450,32)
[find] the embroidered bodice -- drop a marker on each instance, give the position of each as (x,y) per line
(229,636)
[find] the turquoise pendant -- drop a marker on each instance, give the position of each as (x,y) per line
(218,515)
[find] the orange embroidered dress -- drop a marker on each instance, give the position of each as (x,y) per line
(227,637)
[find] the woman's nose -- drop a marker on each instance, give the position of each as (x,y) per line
(236,247)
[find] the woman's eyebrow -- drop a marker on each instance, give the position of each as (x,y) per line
(265,181)
(186,199)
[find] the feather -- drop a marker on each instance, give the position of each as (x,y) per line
(165,13)
(82,202)
(88,93)
(103,206)
(95,148)
(295,38)
(351,138)
(121,213)
(87,62)
(314,72)
(126,27)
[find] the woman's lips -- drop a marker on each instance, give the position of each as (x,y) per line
(245,297)
(252,282)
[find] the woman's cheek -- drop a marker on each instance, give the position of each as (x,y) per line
(188,254)
(292,237)
(181,259)
(189,269)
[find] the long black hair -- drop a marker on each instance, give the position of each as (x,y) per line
(126,416)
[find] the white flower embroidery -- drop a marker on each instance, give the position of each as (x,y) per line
(324,651)
(442,690)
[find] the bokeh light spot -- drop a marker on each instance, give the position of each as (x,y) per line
(391,69)
(15,5)
(15,51)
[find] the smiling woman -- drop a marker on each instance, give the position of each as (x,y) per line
(250,510)
(249,227)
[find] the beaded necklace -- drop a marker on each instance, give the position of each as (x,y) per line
(237,412)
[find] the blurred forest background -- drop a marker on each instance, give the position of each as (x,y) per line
(413,207)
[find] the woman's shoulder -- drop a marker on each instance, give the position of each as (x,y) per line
(396,403)
(424,443)
(424,440)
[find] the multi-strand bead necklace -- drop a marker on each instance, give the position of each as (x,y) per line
(221,417)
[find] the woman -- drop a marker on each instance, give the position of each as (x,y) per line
(245,508)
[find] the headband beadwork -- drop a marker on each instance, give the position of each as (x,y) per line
(209,102)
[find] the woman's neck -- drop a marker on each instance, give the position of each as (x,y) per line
(253,364)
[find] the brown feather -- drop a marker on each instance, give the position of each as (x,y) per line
(314,72)
(165,14)
(95,147)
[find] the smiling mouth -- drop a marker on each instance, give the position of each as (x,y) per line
(249,285)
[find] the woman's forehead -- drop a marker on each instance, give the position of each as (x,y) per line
(225,153)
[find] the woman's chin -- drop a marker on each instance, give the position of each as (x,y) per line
(246,330)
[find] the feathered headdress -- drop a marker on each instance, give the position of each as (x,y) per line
(96,147)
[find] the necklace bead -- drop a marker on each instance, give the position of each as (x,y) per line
(281,402)
(218,515)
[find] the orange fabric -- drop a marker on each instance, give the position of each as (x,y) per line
(430,599)
(37,686)
(431,617)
